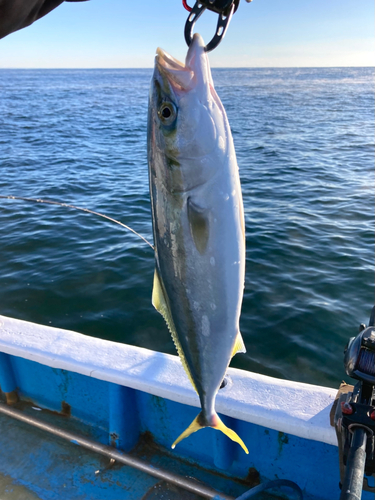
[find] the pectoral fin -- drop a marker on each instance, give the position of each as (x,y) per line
(160,303)
(199,225)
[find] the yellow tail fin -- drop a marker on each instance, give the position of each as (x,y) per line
(216,424)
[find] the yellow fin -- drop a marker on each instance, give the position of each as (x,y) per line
(193,427)
(216,424)
(161,305)
(239,345)
(220,426)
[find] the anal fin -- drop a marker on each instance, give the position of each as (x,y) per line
(239,346)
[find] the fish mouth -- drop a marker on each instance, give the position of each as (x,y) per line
(183,77)
(178,75)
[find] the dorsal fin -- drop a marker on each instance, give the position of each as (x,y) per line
(161,305)
(199,225)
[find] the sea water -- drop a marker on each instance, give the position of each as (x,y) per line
(304,143)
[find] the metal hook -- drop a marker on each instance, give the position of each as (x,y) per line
(225,16)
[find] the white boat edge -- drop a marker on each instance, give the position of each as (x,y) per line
(294,408)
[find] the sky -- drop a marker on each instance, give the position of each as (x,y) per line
(264,33)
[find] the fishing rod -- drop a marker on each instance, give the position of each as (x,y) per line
(355,415)
(67,205)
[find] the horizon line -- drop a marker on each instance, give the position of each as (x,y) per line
(212,67)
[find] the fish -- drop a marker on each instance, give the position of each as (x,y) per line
(198,224)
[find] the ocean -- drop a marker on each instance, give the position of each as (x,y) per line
(305,146)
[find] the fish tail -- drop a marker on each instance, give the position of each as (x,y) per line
(220,426)
(216,423)
(195,426)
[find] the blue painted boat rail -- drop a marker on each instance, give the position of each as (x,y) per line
(7,381)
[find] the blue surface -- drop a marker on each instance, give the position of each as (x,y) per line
(107,409)
(7,380)
(123,417)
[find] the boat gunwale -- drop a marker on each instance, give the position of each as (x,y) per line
(294,408)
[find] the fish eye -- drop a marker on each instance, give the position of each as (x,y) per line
(167,113)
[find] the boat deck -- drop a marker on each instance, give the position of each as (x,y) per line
(45,467)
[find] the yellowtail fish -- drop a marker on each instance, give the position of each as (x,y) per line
(198,224)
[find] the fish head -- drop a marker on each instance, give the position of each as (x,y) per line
(186,117)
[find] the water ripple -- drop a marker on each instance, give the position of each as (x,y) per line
(304,141)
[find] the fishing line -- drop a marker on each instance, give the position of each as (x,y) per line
(38,200)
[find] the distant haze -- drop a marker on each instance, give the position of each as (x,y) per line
(265,33)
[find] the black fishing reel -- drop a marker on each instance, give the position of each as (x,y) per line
(359,359)
(224,8)
(355,415)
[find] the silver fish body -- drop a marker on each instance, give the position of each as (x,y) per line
(198,223)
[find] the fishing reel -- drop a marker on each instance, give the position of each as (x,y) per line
(225,9)
(355,415)
(359,359)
